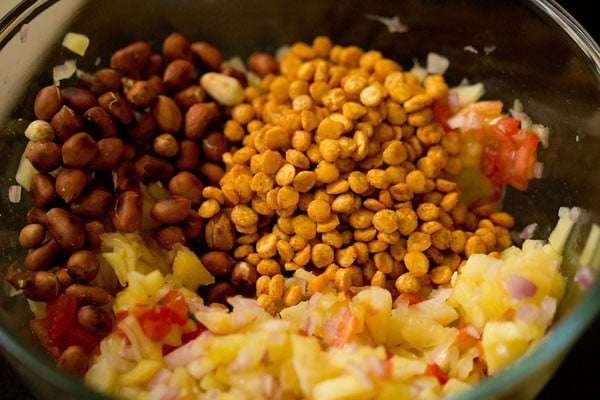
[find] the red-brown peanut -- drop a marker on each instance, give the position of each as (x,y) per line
(126,215)
(65,228)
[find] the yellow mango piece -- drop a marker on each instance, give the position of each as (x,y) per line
(141,373)
(345,387)
(505,341)
(188,269)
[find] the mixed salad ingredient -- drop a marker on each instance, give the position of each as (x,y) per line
(328,206)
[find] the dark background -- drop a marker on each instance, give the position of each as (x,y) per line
(577,377)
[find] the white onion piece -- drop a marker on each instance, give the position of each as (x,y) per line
(393,24)
(63,71)
(575,214)
(453,101)
(520,288)
(14,193)
(584,277)
(528,231)
(543,133)
(437,64)
(538,169)
(471,49)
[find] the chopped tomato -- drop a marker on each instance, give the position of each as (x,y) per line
(77,336)
(505,129)
(442,113)
(347,328)
(60,314)
(155,322)
(509,156)
(465,338)
(411,298)
(175,302)
(436,371)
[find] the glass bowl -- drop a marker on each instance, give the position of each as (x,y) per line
(533,51)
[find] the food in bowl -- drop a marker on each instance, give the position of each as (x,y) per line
(327,205)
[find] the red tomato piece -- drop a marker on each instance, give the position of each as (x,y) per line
(175,302)
(442,113)
(77,336)
(155,322)
(505,128)
(434,370)
(346,329)
(411,298)
(61,313)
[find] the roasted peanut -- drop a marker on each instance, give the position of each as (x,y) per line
(152,169)
(219,293)
(168,236)
(214,145)
(187,185)
(36,285)
(99,122)
(66,122)
(117,107)
(188,96)
(167,115)
(73,360)
(142,128)
(93,233)
(220,232)
(208,55)
(177,46)
(47,102)
(189,155)
(171,210)
(42,189)
(32,235)
(218,263)
(94,320)
(131,59)
(89,294)
(44,155)
(65,228)
(178,74)
(126,216)
(79,150)
(78,99)
(44,256)
(83,265)
(263,63)
(243,277)
(198,118)
(71,182)
(141,94)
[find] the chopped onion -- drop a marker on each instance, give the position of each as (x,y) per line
(489,49)
(471,49)
(528,231)
(538,169)
(63,71)
(393,24)
(584,277)
(437,64)
(548,307)
(543,133)
(520,288)
(14,193)
(575,214)
(467,93)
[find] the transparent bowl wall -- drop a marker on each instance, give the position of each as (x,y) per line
(535,53)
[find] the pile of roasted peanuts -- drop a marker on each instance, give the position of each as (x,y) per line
(328,160)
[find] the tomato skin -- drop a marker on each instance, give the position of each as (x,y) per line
(156,321)
(504,129)
(60,314)
(346,329)
(442,113)
(509,154)
(434,370)
(175,302)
